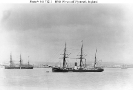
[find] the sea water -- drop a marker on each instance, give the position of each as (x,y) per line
(45,79)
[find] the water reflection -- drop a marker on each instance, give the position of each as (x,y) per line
(41,79)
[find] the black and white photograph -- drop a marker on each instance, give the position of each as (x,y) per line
(73,45)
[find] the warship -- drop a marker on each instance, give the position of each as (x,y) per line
(20,66)
(81,68)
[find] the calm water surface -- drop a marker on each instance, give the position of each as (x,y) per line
(40,79)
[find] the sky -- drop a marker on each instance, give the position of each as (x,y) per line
(41,30)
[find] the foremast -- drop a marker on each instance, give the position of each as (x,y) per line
(64,57)
(20,61)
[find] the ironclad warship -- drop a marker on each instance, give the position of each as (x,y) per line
(20,66)
(80,68)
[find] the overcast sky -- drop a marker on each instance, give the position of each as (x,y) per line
(41,30)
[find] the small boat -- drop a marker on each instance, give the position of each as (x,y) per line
(81,68)
(20,66)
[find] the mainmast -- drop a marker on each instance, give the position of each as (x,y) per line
(95,59)
(64,57)
(81,56)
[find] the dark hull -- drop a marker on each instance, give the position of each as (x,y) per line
(79,70)
(26,67)
(18,67)
(12,67)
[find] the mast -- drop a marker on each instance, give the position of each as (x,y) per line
(20,60)
(11,63)
(81,56)
(95,59)
(64,57)
(28,60)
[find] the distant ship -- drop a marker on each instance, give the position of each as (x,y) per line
(81,68)
(20,66)
(124,67)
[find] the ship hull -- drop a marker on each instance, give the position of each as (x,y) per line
(12,67)
(26,67)
(18,67)
(79,70)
